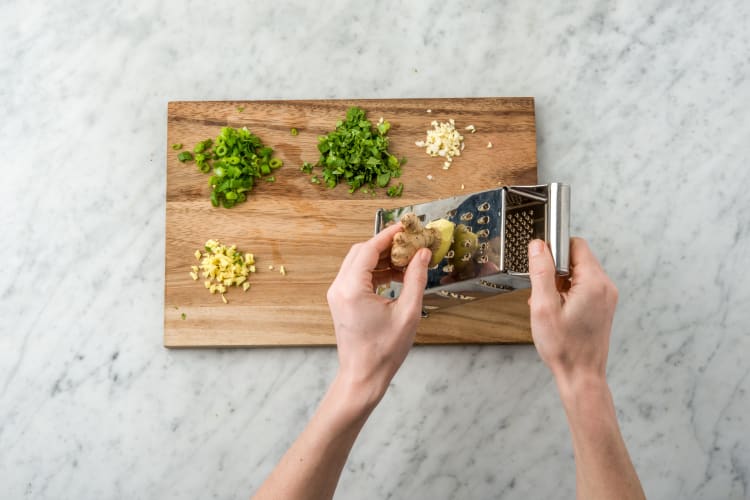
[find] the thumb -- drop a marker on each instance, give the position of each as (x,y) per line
(542,274)
(415,279)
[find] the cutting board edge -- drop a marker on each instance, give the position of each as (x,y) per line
(354,99)
(219,345)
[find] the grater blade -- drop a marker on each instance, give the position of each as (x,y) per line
(519,225)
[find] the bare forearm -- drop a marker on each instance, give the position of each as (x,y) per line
(312,466)
(603,466)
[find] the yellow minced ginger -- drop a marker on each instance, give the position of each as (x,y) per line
(223,266)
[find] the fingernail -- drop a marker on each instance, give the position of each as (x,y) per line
(536,247)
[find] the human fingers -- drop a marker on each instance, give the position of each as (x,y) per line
(543,277)
(357,248)
(370,251)
(349,258)
(415,278)
(588,278)
(582,259)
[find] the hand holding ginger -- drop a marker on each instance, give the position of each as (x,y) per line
(437,236)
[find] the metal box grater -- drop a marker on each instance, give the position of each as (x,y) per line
(489,252)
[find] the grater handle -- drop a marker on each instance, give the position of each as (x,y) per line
(557,228)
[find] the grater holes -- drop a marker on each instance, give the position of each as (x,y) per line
(519,231)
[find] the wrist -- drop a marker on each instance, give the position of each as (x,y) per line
(582,388)
(357,398)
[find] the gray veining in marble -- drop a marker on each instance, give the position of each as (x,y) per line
(644,107)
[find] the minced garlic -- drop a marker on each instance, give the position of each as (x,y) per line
(443,140)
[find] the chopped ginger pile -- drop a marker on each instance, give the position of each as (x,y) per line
(222,266)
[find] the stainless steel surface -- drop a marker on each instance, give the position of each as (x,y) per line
(557,231)
(489,251)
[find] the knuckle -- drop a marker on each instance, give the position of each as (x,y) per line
(540,273)
(601,289)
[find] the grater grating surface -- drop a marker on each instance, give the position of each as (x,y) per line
(519,232)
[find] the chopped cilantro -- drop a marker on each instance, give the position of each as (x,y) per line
(357,154)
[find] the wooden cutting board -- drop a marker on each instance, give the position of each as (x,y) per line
(309,228)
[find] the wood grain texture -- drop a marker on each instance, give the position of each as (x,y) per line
(309,228)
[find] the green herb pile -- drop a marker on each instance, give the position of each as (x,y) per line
(357,153)
(237,159)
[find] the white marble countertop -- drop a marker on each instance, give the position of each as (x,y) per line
(644,109)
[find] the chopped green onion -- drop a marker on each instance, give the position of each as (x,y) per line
(235,158)
(202,146)
(275,163)
(177,146)
(294,131)
(183,315)
(185,156)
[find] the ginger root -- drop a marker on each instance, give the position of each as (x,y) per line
(437,236)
